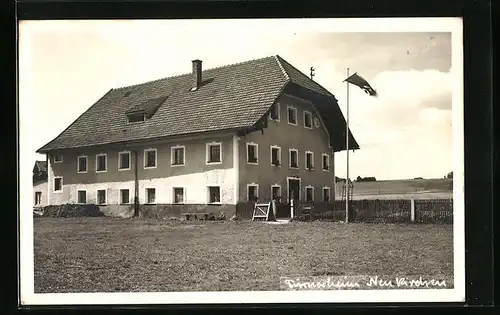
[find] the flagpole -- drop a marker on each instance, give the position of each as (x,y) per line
(347,156)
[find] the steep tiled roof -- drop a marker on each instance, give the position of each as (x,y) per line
(230,97)
(40,166)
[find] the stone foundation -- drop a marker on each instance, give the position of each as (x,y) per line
(166,210)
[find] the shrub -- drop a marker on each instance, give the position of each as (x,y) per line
(72,210)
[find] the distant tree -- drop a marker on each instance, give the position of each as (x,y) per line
(339,179)
(366,179)
(418,178)
(450,175)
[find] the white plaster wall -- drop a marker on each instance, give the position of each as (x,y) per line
(195,188)
(43,188)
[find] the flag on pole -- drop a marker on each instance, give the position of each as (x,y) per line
(362,83)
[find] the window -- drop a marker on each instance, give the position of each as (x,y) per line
(276,192)
(309,193)
(124,161)
(100,163)
(214,194)
(124,196)
(275,155)
(292,115)
(326,194)
(82,164)
(294,162)
(58,183)
(309,160)
(38,198)
(58,158)
(101,196)
(177,155)
(275,112)
(214,153)
(325,158)
(178,195)
(150,158)
(82,196)
(252,153)
(150,195)
(136,117)
(252,192)
(308,120)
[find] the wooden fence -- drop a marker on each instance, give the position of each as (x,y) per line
(381,211)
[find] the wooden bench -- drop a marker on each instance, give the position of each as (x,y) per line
(195,216)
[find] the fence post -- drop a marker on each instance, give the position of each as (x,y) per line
(412,210)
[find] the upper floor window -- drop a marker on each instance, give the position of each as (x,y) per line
(82,164)
(150,158)
(124,160)
(214,153)
(292,115)
(308,120)
(309,160)
(100,163)
(275,155)
(252,153)
(294,158)
(177,155)
(58,158)
(275,112)
(325,162)
(58,184)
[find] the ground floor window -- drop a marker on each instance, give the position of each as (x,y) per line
(253,192)
(178,195)
(214,194)
(309,194)
(276,192)
(150,195)
(101,197)
(58,184)
(326,193)
(38,197)
(82,196)
(124,196)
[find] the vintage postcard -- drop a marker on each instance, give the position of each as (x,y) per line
(241,161)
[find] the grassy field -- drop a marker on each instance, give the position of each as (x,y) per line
(438,188)
(131,255)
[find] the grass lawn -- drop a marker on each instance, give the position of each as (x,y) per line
(131,255)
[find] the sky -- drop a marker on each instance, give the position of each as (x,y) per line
(405,132)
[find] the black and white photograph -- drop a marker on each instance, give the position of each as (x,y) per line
(241,161)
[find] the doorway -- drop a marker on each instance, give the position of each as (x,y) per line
(293,195)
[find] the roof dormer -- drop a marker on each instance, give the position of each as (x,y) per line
(145,110)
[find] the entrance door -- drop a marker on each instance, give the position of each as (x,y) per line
(293,194)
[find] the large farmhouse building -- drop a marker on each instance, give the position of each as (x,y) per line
(203,141)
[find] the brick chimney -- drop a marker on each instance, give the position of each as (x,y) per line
(196,74)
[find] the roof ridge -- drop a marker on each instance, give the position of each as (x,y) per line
(209,69)
(277,57)
(289,64)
